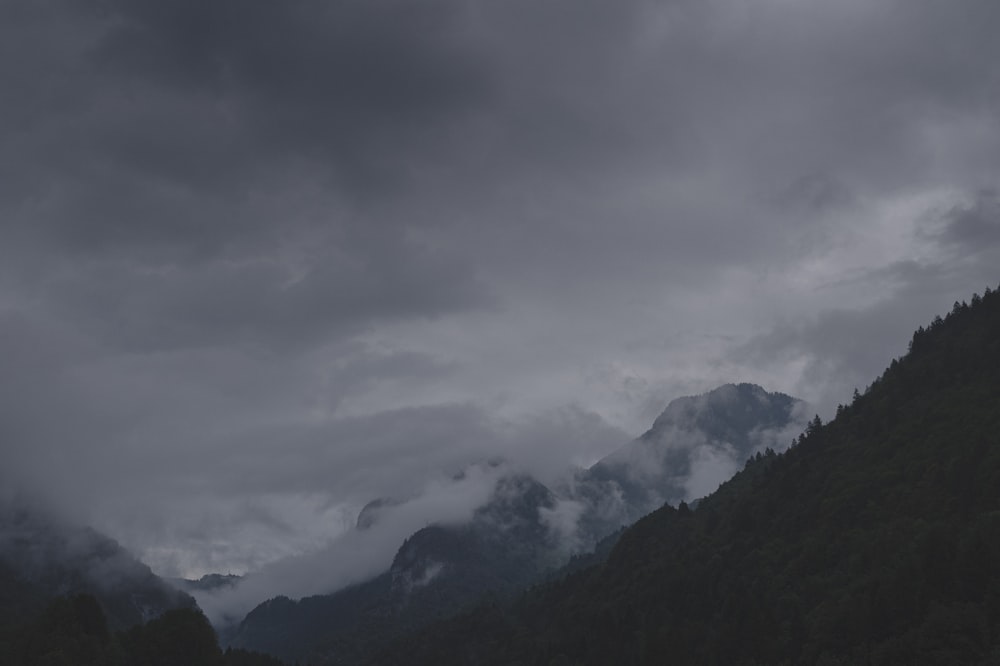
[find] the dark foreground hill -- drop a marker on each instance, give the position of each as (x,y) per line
(42,557)
(70,595)
(874,540)
(74,631)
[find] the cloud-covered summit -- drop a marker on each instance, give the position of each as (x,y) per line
(694,445)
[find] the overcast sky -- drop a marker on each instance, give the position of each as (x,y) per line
(264,261)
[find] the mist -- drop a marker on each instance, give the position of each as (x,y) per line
(357,554)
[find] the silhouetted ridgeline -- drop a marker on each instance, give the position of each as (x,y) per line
(42,557)
(72,596)
(74,631)
(874,540)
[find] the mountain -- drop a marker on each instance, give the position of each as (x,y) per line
(524,533)
(74,630)
(208,583)
(71,595)
(42,558)
(873,540)
(437,571)
(694,445)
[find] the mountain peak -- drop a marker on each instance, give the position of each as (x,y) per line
(742,406)
(695,444)
(873,540)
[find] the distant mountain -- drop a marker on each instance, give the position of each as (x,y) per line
(42,558)
(695,444)
(524,533)
(207,583)
(873,540)
(437,571)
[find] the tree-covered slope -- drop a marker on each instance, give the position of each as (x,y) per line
(874,540)
(42,557)
(74,631)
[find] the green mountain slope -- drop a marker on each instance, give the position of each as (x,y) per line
(874,540)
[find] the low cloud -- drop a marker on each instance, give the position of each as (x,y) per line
(840,349)
(710,467)
(357,555)
(267,492)
(974,227)
(563,520)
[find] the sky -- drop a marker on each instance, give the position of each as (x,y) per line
(263,262)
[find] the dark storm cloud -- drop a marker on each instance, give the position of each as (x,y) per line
(384,59)
(976,227)
(261,301)
(261,260)
(188,100)
(179,171)
(348,83)
(128,132)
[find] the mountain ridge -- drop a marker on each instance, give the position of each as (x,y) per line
(520,537)
(872,540)
(42,558)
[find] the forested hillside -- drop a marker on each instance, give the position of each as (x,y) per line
(873,540)
(73,631)
(42,557)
